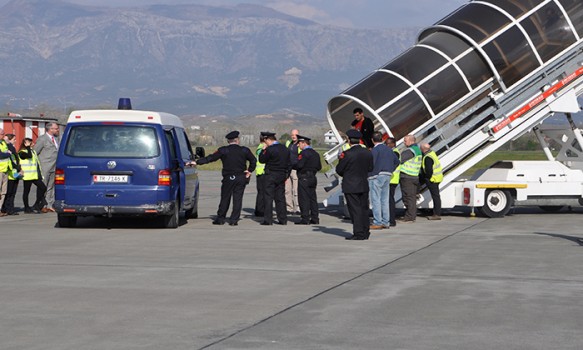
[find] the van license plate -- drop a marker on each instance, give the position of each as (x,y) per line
(110,178)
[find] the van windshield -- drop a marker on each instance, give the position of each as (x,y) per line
(107,141)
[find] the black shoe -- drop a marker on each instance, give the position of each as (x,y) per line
(258,214)
(301,223)
(314,222)
(233,223)
(218,222)
(266,223)
(355,238)
(393,224)
(281,223)
(28,210)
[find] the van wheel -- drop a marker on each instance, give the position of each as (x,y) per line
(497,203)
(66,220)
(172,220)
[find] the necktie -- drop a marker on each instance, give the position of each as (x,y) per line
(53,138)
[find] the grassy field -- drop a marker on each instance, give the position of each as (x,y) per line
(491,159)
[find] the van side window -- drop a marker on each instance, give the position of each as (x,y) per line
(171,144)
(185,149)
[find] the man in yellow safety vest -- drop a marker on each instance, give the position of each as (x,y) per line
(409,181)
(392,144)
(432,175)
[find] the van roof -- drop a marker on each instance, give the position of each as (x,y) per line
(117,115)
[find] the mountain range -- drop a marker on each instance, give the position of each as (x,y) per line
(184,59)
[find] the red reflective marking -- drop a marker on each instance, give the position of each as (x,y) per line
(537,100)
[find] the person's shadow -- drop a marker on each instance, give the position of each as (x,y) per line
(575,239)
(332,231)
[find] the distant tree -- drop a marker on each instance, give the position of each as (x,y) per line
(285,137)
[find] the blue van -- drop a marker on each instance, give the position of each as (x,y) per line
(125,163)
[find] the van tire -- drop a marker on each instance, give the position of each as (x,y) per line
(66,220)
(172,220)
(497,203)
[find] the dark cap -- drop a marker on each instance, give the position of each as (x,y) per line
(303,138)
(232,135)
(264,133)
(268,134)
(353,134)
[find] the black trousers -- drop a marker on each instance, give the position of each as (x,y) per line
(8,205)
(232,186)
(260,199)
(307,197)
(275,191)
(358,209)
(40,193)
(409,186)
(392,206)
(434,190)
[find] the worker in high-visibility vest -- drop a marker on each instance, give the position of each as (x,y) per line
(32,176)
(432,175)
(14,176)
(260,179)
(409,177)
(5,168)
(392,144)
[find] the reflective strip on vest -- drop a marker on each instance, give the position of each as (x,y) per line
(397,173)
(29,167)
(412,167)
(437,176)
(5,164)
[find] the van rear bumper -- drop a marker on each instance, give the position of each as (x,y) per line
(161,208)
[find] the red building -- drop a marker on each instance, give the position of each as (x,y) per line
(23,127)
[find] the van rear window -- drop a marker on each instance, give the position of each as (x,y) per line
(107,141)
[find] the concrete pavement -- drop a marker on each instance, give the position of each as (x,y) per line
(461,283)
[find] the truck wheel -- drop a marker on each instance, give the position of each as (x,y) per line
(551,208)
(497,203)
(66,220)
(172,220)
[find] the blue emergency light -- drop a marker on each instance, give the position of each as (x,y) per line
(124,103)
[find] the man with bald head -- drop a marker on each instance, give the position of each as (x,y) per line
(291,184)
(431,174)
(410,167)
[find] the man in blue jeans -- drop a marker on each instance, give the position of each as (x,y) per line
(379,179)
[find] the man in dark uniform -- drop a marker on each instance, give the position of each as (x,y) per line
(235,175)
(275,156)
(260,179)
(354,166)
(307,167)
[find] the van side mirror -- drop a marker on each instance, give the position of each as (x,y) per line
(198,153)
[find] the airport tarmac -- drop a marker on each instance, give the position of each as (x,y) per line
(460,283)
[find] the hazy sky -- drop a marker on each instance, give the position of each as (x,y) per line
(350,13)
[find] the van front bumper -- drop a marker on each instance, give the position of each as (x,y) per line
(161,208)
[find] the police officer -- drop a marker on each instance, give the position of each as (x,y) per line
(260,179)
(235,174)
(354,166)
(307,167)
(275,156)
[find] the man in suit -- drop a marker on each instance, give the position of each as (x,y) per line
(47,148)
(354,166)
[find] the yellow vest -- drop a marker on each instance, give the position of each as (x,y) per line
(5,164)
(29,166)
(412,167)
(397,173)
(260,167)
(437,176)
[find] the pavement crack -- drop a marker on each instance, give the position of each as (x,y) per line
(291,307)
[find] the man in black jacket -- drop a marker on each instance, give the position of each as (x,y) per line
(235,174)
(307,167)
(275,156)
(365,126)
(354,166)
